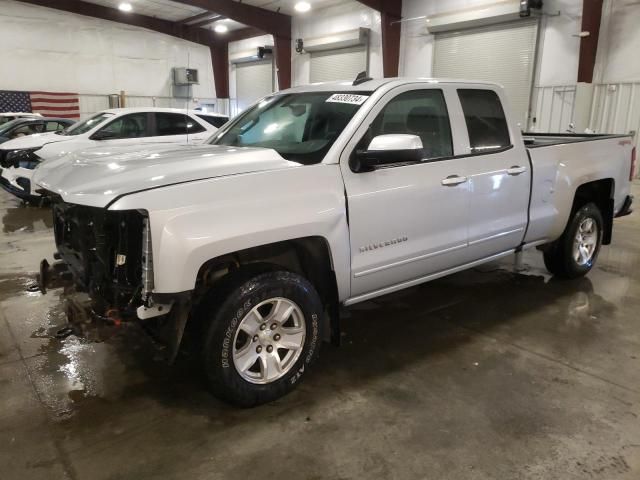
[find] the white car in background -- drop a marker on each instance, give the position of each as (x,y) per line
(8,116)
(109,128)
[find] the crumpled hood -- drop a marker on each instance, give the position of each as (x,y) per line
(96,176)
(34,141)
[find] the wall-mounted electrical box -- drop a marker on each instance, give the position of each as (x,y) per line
(185,76)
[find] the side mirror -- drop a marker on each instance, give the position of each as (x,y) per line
(103,135)
(388,150)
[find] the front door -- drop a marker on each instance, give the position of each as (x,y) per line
(407,220)
(131,129)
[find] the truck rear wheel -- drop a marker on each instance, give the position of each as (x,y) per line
(261,337)
(575,252)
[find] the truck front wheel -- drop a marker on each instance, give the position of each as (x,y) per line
(261,337)
(575,252)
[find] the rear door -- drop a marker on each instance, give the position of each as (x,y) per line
(499,175)
(404,222)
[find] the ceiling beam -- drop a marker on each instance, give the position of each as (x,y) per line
(240,34)
(185,32)
(591,17)
(277,24)
(390,16)
(393,7)
(195,18)
(208,21)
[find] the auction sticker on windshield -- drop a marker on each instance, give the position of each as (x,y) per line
(347,98)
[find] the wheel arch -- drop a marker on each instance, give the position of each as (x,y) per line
(308,256)
(601,192)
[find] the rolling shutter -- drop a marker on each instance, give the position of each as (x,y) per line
(254,80)
(502,53)
(338,64)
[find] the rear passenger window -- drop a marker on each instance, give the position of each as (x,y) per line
(214,120)
(485,120)
(417,112)
(176,124)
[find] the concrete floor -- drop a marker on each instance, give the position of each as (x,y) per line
(484,374)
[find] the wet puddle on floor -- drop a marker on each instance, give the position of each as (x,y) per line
(26,219)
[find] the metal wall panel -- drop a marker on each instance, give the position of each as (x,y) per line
(615,108)
(552,108)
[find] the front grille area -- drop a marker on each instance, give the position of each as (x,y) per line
(23,158)
(103,251)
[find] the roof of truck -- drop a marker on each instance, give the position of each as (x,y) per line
(374,84)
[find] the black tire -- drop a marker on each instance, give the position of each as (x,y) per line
(222,315)
(559,258)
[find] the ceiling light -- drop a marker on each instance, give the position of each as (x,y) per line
(221,28)
(302,6)
(125,7)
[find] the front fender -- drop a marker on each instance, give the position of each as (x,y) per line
(194,222)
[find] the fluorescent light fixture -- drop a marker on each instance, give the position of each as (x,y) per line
(221,28)
(125,7)
(302,7)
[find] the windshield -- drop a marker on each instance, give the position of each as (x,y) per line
(84,126)
(301,127)
(5,127)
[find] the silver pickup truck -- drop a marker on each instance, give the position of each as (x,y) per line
(319,197)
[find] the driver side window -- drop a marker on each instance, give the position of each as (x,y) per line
(416,112)
(127,126)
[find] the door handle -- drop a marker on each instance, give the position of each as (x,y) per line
(453,180)
(516,170)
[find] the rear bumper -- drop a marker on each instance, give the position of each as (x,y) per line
(626,208)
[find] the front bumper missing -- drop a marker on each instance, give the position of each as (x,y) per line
(165,322)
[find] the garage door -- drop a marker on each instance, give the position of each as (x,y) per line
(503,53)
(254,80)
(339,64)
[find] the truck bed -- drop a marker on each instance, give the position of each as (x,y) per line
(535,140)
(565,162)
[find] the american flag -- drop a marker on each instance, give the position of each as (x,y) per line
(48,104)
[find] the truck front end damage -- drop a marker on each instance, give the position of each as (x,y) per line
(105,265)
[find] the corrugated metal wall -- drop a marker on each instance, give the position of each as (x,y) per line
(615,108)
(552,108)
